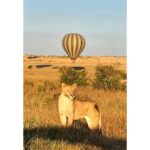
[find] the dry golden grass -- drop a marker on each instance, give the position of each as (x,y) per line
(51,73)
(42,128)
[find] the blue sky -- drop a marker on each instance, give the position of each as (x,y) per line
(101,22)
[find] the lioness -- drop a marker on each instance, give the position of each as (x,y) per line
(71,109)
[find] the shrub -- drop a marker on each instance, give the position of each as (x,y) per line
(108,78)
(122,74)
(30,67)
(71,75)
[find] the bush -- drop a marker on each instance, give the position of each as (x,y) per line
(71,75)
(108,78)
(122,74)
(30,67)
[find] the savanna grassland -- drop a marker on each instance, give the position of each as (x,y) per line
(42,87)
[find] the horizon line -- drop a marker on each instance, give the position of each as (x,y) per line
(79,56)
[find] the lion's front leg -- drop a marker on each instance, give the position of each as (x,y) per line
(63,119)
(70,120)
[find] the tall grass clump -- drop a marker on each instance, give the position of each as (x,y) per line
(71,75)
(41,88)
(50,85)
(46,86)
(107,78)
(28,83)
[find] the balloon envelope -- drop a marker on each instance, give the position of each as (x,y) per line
(73,44)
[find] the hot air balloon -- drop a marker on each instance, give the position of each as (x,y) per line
(73,44)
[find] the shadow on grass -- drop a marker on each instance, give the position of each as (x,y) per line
(42,66)
(78,68)
(74,136)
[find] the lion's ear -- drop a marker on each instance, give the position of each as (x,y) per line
(63,85)
(74,85)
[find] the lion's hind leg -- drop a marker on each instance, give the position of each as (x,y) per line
(89,122)
(92,124)
(92,119)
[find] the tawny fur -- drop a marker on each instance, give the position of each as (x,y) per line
(71,109)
